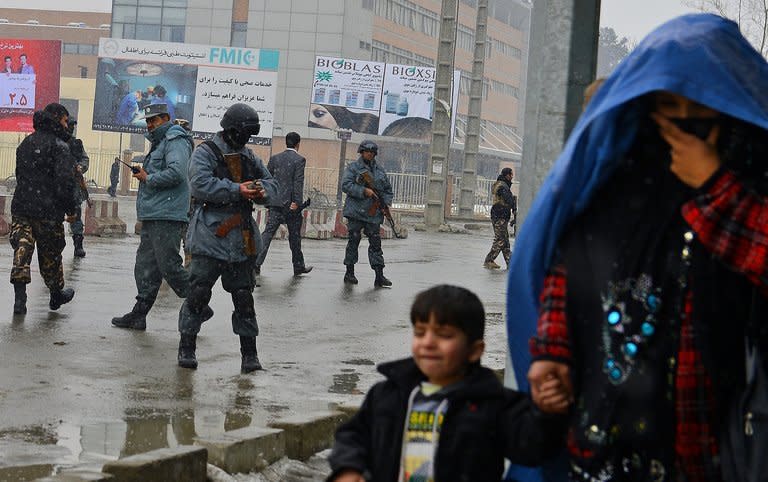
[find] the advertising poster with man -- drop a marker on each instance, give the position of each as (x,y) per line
(197,83)
(29,80)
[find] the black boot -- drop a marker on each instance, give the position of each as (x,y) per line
(187,346)
(349,276)
(20,302)
(78,240)
(251,361)
(136,319)
(61,297)
(380,280)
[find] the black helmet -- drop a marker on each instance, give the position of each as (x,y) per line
(242,118)
(367,145)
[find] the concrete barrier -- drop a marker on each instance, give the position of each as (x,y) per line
(25,472)
(5,213)
(316,224)
(305,435)
(249,449)
(79,476)
(101,218)
(187,463)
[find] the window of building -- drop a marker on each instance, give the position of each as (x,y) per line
(465,38)
(383,52)
(368,4)
(239,34)
(149,19)
(408,14)
(80,49)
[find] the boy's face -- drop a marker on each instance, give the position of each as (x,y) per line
(442,352)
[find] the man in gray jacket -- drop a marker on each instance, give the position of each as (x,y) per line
(225,178)
(288,169)
(362,211)
(162,206)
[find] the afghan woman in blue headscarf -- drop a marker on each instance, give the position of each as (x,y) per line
(645,257)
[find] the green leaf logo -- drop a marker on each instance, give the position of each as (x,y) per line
(324,76)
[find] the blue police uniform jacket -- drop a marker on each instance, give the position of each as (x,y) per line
(357,205)
(215,202)
(164,196)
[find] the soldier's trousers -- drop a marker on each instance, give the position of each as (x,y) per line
(158,258)
(77,226)
(500,241)
(372,231)
(236,278)
(278,216)
(49,237)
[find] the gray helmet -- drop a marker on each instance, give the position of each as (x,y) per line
(242,118)
(367,145)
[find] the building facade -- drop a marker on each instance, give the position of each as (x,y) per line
(79,33)
(396,31)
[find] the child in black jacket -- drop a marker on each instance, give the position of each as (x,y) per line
(440,416)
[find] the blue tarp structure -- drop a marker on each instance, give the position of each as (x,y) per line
(700,56)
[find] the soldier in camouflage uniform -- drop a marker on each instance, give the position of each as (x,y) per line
(504,208)
(81,193)
(43,196)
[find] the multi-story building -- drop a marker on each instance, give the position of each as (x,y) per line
(396,31)
(79,33)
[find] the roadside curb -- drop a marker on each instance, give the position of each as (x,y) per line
(185,462)
(245,450)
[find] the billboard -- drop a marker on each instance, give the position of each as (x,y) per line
(197,82)
(375,97)
(29,80)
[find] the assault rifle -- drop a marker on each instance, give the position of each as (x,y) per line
(83,187)
(378,203)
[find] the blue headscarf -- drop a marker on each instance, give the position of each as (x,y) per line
(700,56)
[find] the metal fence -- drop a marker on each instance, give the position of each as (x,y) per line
(319,183)
(410,190)
(98,171)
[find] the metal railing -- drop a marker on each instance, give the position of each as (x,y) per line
(319,183)
(98,170)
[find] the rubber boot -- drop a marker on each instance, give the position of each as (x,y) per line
(349,276)
(381,281)
(61,297)
(136,319)
(78,240)
(187,346)
(20,301)
(251,361)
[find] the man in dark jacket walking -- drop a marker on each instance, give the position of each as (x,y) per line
(288,169)
(114,178)
(360,202)
(504,207)
(43,196)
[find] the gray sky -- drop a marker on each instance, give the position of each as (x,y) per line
(630,18)
(635,19)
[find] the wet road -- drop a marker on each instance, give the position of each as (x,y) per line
(76,391)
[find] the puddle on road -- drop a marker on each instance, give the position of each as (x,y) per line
(33,452)
(345,383)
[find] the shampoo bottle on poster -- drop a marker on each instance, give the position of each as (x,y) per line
(393,99)
(402,107)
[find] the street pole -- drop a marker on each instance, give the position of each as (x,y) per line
(472,140)
(340,230)
(434,213)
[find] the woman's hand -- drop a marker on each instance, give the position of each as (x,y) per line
(693,161)
(551,386)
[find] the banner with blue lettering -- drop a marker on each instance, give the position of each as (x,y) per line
(198,83)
